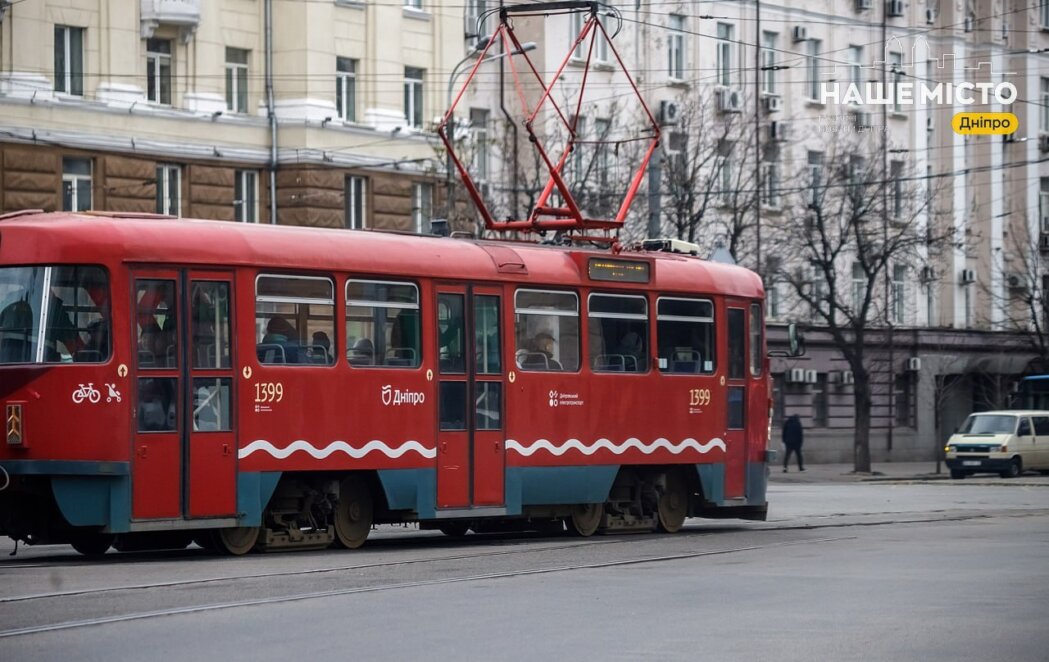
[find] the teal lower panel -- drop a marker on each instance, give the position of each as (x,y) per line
(410,489)
(757,483)
(533,486)
(64,468)
(253,493)
(712,481)
(94,500)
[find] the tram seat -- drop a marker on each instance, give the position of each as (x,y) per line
(685,361)
(317,354)
(612,363)
(15,350)
(87,356)
(400,356)
(533,361)
(270,353)
(146,359)
(171,356)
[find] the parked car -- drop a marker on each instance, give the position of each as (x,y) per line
(1003,442)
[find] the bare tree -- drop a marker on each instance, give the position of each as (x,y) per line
(848,226)
(1022,301)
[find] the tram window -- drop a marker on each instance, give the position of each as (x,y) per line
(756,345)
(209,317)
(294,319)
(488,412)
(737,356)
(486,335)
(618,332)
(453,405)
(211,397)
(685,333)
(157,404)
(156,312)
(382,324)
(451,334)
(70,302)
(546,327)
(736,407)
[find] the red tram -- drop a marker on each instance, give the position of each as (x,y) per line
(277,387)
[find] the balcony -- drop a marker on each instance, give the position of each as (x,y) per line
(183,14)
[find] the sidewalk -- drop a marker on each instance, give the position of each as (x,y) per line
(843,473)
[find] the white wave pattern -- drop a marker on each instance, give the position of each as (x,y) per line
(618,449)
(261,445)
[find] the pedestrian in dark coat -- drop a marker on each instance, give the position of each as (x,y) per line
(793,438)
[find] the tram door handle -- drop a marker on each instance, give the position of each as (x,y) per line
(142,451)
(225,450)
(444,446)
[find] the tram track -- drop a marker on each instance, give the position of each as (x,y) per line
(394,586)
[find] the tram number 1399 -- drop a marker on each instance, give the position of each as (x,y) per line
(698,397)
(269,392)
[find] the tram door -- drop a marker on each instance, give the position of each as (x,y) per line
(736,400)
(184,461)
(470,438)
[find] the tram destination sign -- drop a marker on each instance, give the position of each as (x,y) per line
(623,271)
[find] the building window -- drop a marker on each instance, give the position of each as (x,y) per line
(474,10)
(676,48)
(1043,204)
(813,69)
(354,200)
(859,287)
(818,291)
(815,160)
(1044,114)
(896,177)
(768,62)
(169,190)
(899,293)
(724,54)
(158,70)
(602,128)
(236,80)
(479,136)
(902,404)
(346,88)
(578,163)
(76,184)
(728,169)
(422,206)
(246,196)
(819,401)
(413,96)
(1044,13)
(896,68)
(770,180)
(69,60)
(856,65)
(600,52)
(414,4)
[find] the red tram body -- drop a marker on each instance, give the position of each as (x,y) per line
(268,387)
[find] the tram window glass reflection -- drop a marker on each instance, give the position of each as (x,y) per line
(156,314)
(211,404)
(453,405)
(486,334)
(618,333)
(737,356)
(546,328)
(294,319)
(157,404)
(451,338)
(756,345)
(488,411)
(210,325)
(383,324)
(69,303)
(685,334)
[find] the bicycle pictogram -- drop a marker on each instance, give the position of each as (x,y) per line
(89,393)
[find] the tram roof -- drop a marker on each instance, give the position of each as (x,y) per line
(110,238)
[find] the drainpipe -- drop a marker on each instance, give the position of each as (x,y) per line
(270,111)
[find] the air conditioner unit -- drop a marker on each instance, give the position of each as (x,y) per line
(843,377)
(863,5)
(930,16)
(1015,281)
(800,33)
(1043,242)
(668,112)
(968,276)
(730,100)
(928,274)
(773,103)
(779,131)
(914,364)
(795,376)
(895,8)
(1043,142)
(811,377)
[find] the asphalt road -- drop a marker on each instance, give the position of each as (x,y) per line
(940,571)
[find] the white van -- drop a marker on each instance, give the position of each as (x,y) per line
(1003,442)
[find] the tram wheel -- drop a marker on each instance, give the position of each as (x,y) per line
(93,544)
(585,519)
(353,515)
(673,504)
(236,540)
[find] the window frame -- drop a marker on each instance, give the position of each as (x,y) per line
(392,305)
(712,321)
(645,317)
(70,78)
(676,47)
(422,206)
(551,313)
(346,88)
(73,181)
(297,301)
(239,205)
(155,61)
(165,186)
(723,45)
(413,97)
(237,80)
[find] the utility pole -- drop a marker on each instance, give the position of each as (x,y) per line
(757,136)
